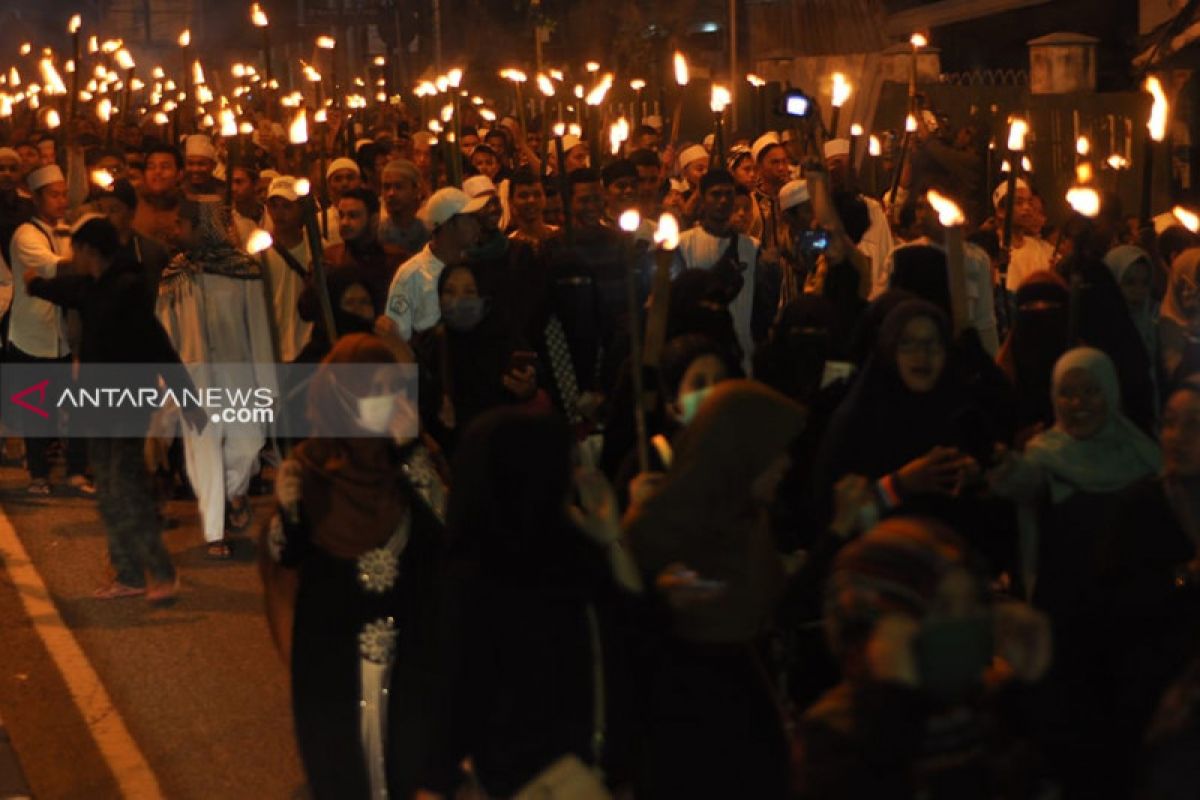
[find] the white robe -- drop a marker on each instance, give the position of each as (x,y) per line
(219,327)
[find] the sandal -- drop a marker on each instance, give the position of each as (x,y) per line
(164,592)
(116,590)
(238,519)
(219,551)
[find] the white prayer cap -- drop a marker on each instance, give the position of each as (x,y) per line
(10,154)
(361,143)
(653,121)
(339,164)
(1002,191)
(478,186)
(793,194)
(694,153)
(45,175)
(284,186)
(763,142)
(837,147)
(199,146)
(445,204)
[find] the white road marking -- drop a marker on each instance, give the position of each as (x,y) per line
(104,722)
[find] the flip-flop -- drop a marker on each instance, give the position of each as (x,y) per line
(117,590)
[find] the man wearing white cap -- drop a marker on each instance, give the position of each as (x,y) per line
(290,263)
(774,170)
(341,176)
(37,329)
(1030,253)
(448,214)
(199,164)
(877,243)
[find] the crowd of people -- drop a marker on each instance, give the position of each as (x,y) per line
(817,505)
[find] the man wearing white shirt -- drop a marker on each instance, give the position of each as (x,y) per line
(342,175)
(37,329)
(1030,253)
(412,298)
(289,261)
(710,245)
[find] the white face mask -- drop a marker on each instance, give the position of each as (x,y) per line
(375,412)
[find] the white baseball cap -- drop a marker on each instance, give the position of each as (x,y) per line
(793,194)
(284,186)
(445,204)
(479,186)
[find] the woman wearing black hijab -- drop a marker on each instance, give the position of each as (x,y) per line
(918,422)
(532,656)
(1039,336)
(468,362)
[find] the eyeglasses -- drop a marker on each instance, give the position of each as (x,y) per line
(910,347)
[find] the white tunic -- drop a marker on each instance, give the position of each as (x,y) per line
(1032,256)
(699,249)
(37,327)
(287,285)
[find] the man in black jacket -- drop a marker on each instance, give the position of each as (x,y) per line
(118,327)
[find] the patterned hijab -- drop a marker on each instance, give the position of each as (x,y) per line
(213,250)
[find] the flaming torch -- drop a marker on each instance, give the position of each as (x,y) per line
(1157,129)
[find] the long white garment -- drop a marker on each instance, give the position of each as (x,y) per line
(877,244)
(699,249)
(219,327)
(1034,255)
(287,286)
(37,327)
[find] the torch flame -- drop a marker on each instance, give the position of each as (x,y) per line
(575,130)
(856,130)
(447,112)
(630,221)
(104,110)
(75,24)
(1017,131)
(1159,111)
(185,38)
(311,74)
(197,73)
(560,129)
(1083,146)
(26,48)
(326,42)
(874,148)
(721,98)
(124,59)
(755,81)
(841,90)
(245,128)
(258,17)
(618,134)
(160,118)
(102,178)
(592,66)
(1083,172)
(596,96)
(228,122)
(487,114)
(1084,199)
(52,119)
(454,77)
(918,40)
(557,74)
(1026,164)
(258,241)
(545,86)
(51,80)
(667,234)
(910,124)
(637,84)
(1187,219)
(93,44)
(681,69)
(949,214)
(321,116)
(298,130)
(302,187)
(514,75)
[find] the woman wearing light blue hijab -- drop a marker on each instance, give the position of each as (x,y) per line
(1068,477)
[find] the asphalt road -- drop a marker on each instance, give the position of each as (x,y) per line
(198,684)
